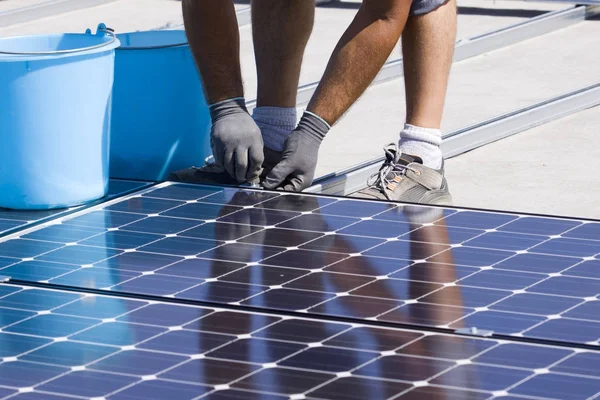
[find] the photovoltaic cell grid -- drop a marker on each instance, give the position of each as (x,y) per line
(431,267)
(71,345)
(16,219)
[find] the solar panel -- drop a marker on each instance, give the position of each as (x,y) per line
(62,344)
(11,220)
(431,267)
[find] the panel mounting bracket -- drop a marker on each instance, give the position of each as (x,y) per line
(474,331)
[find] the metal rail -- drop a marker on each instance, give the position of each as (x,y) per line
(352,179)
(477,45)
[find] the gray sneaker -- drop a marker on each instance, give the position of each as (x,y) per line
(405,178)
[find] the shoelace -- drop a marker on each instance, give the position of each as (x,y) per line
(380,180)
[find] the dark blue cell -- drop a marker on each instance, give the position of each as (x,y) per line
(22,374)
(182,192)
(464,296)
(221,231)
(118,334)
(288,299)
(35,271)
(531,303)
(589,310)
(447,347)
(500,279)
(281,237)
(64,233)
(471,256)
(138,261)
(354,208)
(242,252)
(233,323)
(240,395)
(569,247)
(587,269)
(186,342)
(39,396)
(8,316)
(6,392)
(377,228)
(161,225)
(50,325)
(404,368)
(4,261)
(259,217)
(221,292)
(478,220)
(396,289)
(415,215)
(587,363)
(368,338)
(156,285)
(296,202)
(343,244)
(118,187)
(499,322)
(238,197)
(407,250)
(6,290)
(354,388)
(539,226)
(88,383)
(165,315)
(263,275)
(8,224)
(284,381)
(482,377)
(69,354)
(257,351)
(432,272)
(590,231)
(355,307)
(144,205)
(558,387)
(522,356)
(160,390)
(100,307)
(371,266)
(121,240)
(94,278)
(329,282)
(38,300)
(24,248)
(138,362)
(442,234)
(425,314)
(329,359)
(210,371)
(304,331)
(180,246)
(103,219)
(318,223)
(200,268)
(79,254)
(13,345)
(541,263)
(201,211)
(568,286)
(303,259)
(506,241)
(568,330)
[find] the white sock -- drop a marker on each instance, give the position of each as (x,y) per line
(422,142)
(275,123)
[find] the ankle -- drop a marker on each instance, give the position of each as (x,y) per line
(422,142)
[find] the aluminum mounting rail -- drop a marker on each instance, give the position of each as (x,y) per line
(350,180)
(477,45)
(45,9)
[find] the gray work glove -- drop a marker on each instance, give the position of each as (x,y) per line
(296,170)
(235,140)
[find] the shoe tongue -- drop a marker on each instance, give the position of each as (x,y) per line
(405,159)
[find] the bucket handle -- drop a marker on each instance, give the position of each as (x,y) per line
(102,30)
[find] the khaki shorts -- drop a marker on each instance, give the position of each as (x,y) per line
(420,7)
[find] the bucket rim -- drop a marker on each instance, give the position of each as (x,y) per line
(102,32)
(124,47)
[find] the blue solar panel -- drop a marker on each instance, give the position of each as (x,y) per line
(11,220)
(79,345)
(447,268)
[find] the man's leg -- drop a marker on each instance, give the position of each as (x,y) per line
(427,46)
(280,31)
(413,171)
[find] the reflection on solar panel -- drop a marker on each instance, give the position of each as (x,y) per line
(358,271)
(71,344)
(12,219)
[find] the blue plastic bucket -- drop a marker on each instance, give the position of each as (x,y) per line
(55,104)
(161,121)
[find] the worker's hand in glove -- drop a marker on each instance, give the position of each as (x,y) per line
(296,170)
(236,141)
